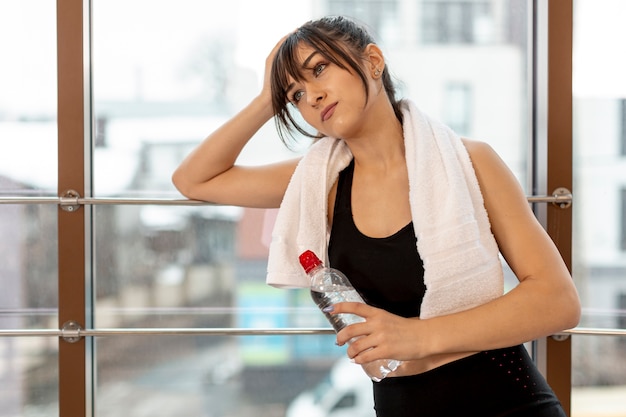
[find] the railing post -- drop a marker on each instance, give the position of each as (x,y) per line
(71,224)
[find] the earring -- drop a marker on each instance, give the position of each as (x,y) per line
(377,72)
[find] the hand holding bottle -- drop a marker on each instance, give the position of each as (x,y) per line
(329,287)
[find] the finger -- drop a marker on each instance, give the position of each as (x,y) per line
(360,309)
(358,347)
(361,357)
(367,350)
(353,331)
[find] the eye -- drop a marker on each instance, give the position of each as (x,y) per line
(297,96)
(317,70)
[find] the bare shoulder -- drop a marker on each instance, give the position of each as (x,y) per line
(501,190)
(479,151)
(487,163)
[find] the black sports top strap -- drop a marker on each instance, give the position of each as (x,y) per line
(387,272)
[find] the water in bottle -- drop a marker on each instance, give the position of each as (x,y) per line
(330,286)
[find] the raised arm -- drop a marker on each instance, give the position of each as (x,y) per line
(209,172)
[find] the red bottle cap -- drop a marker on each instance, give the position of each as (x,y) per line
(309,260)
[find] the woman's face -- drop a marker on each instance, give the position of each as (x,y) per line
(331,99)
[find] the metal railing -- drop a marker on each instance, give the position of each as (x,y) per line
(71,200)
(72,332)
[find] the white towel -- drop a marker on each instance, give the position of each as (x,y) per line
(462,268)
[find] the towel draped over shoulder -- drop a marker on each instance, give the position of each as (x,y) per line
(462,267)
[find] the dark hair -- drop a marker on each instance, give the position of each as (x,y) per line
(337,39)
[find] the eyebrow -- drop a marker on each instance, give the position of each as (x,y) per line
(306,61)
(304,65)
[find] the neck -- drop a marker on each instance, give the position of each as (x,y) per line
(382,145)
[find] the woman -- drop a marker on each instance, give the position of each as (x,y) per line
(415,216)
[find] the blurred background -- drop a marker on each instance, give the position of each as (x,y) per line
(165,74)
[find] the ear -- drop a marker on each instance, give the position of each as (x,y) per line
(375,60)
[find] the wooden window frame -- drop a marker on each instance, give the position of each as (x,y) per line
(552,151)
(552,159)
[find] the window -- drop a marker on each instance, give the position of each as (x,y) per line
(458,104)
(380,15)
(599,232)
(621,305)
(28,233)
(159,86)
(622,134)
(456,22)
(622,220)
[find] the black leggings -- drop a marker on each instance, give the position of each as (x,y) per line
(503,382)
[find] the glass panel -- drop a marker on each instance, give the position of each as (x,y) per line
(600,204)
(486,97)
(159,89)
(28,233)
(28,266)
(29,375)
(165,75)
(195,267)
(200,376)
(28,129)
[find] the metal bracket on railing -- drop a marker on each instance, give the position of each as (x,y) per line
(560,337)
(68,201)
(70,332)
(562,197)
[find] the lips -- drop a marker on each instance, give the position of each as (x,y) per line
(328,112)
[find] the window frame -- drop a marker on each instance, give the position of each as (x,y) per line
(552,159)
(552,166)
(73,125)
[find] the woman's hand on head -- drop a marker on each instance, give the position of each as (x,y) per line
(383,335)
(267,79)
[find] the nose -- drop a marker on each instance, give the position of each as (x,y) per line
(314,95)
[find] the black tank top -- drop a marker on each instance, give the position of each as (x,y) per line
(387,272)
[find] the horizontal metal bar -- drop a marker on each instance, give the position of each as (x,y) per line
(142,201)
(584,331)
(96,201)
(161,331)
(591,331)
(548,199)
(30,200)
(207,332)
(102,201)
(30,333)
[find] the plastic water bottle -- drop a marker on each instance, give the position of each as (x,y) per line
(330,286)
